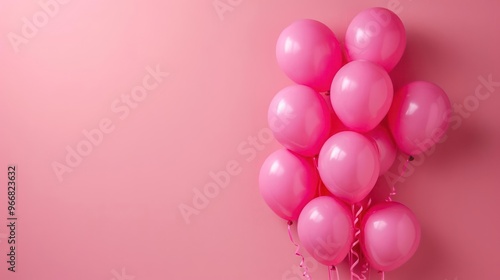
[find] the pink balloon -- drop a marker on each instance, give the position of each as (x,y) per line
(309,53)
(361,94)
(419,117)
(349,165)
(390,235)
(287,183)
(377,35)
(325,230)
(386,147)
(299,119)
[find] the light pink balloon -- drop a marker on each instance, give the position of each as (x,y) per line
(361,94)
(377,35)
(309,53)
(386,147)
(419,117)
(349,165)
(325,230)
(287,182)
(299,119)
(390,235)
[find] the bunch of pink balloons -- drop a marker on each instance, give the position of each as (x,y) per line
(345,141)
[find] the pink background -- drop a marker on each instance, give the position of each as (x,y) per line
(116,215)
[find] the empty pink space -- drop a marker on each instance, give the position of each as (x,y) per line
(138,129)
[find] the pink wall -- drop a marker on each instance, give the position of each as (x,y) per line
(114,213)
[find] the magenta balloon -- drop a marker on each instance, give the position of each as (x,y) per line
(325,230)
(361,95)
(390,235)
(386,147)
(419,117)
(287,183)
(349,165)
(299,119)
(377,35)
(309,53)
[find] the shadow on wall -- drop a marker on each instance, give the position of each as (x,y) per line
(422,57)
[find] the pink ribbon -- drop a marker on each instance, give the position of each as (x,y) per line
(354,258)
(393,187)
(297,253)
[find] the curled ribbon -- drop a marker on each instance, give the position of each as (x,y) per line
(297,253)
(354,259)
(365,268)
(393,188)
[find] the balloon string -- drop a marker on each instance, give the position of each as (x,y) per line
(393,187)
(354,260)
(330,268)
(297,253)
(369,203)
(383,275)
(365,268)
